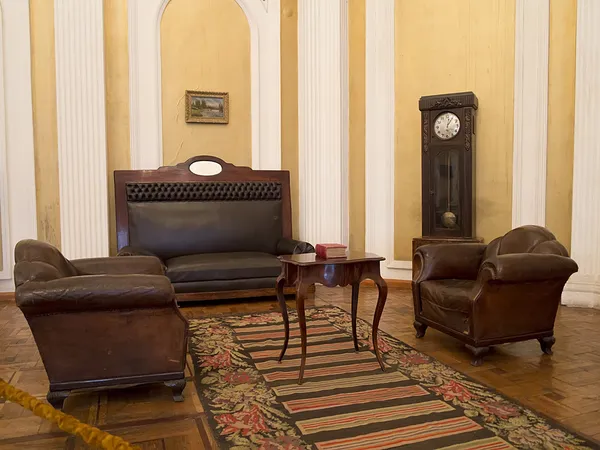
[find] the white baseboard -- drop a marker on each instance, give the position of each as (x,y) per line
(582,294)
(397,270)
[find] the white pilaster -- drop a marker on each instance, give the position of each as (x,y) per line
(145,82)
(17,167)
(323,119)
(532,30)
(583,288)
(81,117)
(380,137)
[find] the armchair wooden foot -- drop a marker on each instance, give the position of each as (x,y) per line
(478,354)
(57,398)
(546,344)
(420,327)
(177,386)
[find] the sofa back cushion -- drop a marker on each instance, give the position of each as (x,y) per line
(183,218)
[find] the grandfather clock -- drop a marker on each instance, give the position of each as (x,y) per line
(447,163)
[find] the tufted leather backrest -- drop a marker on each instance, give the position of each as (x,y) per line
(205,191)
(39,261)
(173,219)
(526,239)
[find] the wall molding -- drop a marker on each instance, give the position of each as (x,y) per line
(17,166)
(323,133)
(145,82)
(380,138)
(532,35)
(81,123)
(583,288)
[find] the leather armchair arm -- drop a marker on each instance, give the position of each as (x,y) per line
(287,246)
(443,261)
(94,293)
(527,267)
(143,265)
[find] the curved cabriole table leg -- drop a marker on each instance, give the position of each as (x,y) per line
(382,288)
(355,289)
(301,291)
(284,313)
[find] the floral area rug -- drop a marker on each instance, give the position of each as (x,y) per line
(346,401)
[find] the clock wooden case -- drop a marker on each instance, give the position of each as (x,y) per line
(448,159)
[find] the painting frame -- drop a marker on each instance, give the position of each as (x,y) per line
(193,113)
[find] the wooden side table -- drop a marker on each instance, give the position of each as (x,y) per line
(307,269)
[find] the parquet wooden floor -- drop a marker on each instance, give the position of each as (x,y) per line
(565,386)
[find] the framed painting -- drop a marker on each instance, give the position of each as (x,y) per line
(206,107)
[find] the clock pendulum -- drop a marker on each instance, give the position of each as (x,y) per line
(449,218)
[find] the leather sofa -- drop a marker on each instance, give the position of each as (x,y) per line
(96,321)
(483,295)
(217,236)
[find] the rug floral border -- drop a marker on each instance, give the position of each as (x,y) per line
(244,410)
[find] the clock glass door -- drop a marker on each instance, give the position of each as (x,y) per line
(446,185)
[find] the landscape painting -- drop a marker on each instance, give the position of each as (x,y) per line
(206,107)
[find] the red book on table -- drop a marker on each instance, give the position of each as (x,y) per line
(327,251)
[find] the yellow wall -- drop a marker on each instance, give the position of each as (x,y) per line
(467,47)
(356,194)
(289,101)
(205,45)
(116,56)
(43,74)
(561,117)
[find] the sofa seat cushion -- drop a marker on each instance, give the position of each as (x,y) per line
(222,266)
(449,294)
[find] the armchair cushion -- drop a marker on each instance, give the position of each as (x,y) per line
(94,293)
(222,266)
(449,294)
(287,246)
(148,265)
(448,261)
(448,302)
(527,267)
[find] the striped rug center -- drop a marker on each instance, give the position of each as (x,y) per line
(347,403)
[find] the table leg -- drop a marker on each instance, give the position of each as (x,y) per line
(284,313)
(355,288)
(301,291)
(382,287)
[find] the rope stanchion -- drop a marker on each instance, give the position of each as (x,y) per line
(91,435)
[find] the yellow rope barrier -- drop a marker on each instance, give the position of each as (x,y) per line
(91,435)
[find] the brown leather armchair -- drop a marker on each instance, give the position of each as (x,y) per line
(506,291)
(100,322)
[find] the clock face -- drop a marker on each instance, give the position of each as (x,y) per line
(446,126)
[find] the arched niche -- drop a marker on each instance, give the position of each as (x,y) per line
(145,82)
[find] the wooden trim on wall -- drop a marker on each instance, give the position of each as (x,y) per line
(7,297)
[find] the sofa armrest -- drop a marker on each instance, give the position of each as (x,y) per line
(130,250)
(443,261)
(527,267)
(94,293)
(142,265)
(287,246)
